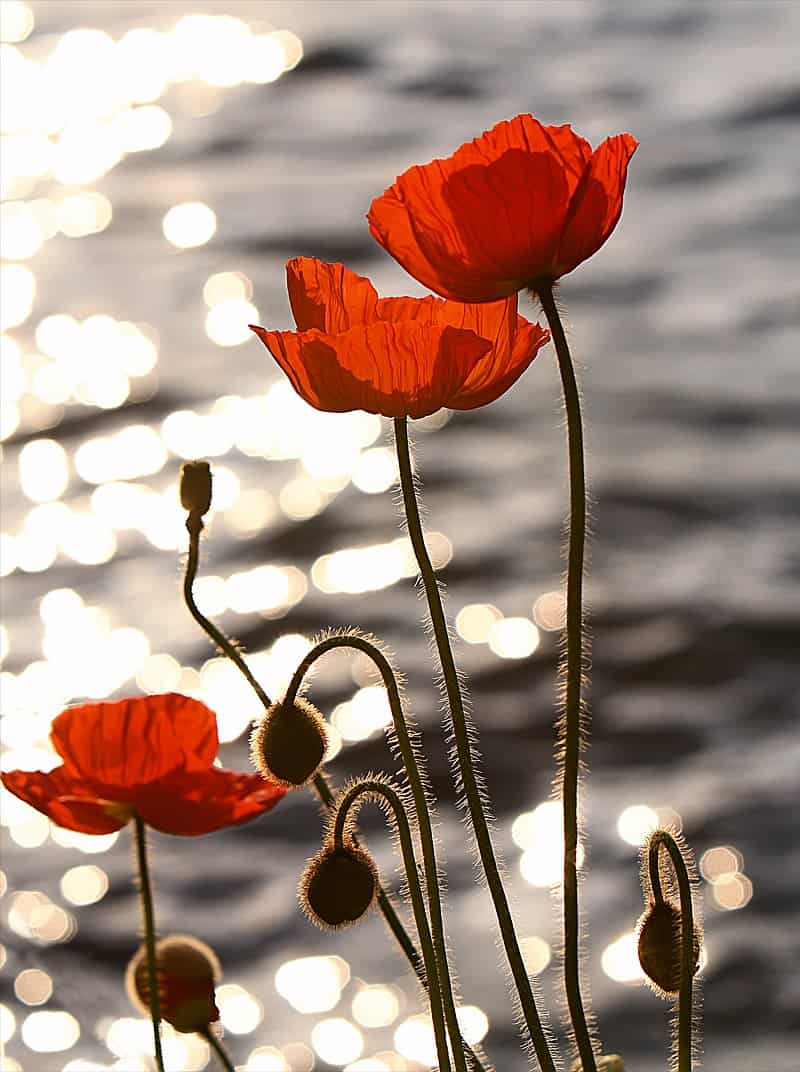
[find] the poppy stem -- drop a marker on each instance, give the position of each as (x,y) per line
(409,756)
(372,788)
(218,1049)
(662,839)
(320,782)
(148,921)
(464,752)
(572,667)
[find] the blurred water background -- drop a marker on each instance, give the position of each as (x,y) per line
(160,163)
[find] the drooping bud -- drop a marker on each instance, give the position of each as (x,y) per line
(338,886)
(196,488)
(610,1062)
(187,971)
(659,947)
(288,743)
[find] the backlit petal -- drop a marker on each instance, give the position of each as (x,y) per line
(502,368)
(328,296)
(398,370)
(63,798)
(199,803)
(597,202)
(113,746)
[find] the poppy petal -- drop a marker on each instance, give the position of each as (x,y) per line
(397,370)
(62,797)
(597,203)
(135,741)
(328,297)
(483,222)
(501,369)
(199,803)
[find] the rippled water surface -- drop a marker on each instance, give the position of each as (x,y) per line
(154,184)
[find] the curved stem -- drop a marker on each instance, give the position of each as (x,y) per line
(409,758)
(195,527)
(218,1049)
(661,839)
(570,729)
(320,783)
(461,736)
(149,925)
(373,787)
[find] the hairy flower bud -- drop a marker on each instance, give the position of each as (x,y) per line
(187,971)
(610,1062)
(338,886)
(289,742)
(659,946)
(196,488)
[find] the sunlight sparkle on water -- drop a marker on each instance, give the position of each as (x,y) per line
(16,20)
(33,986)
(189,224)
(366,569)
(549,611)
(376,1006)
(312,984)
(539,833)
(620,960)
(8,1024)
(474,622)
(17,292)
(266,1059)
(636,823)
(513,638)
(536,953)
(50,1031)
(732,891)
(84,885)
(368,712)
(337,1041)
(226,286)
(240,1012)
(227,322)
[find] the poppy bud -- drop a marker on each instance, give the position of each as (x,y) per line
(611,1062)
(338,886)
(196,488)
(288,743)
(660,947)
(187,971)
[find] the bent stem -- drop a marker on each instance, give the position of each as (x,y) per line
(662,839)
(320,782)
(461,736)
(218,1049)
(149,924)
(570,727)
(409,758)
(373,788)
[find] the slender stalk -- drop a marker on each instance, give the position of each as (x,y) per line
(320,783)
(149,924)
(570,729)
(218,1049)
(461,736)
(372,788)
(409,758)
(661,839)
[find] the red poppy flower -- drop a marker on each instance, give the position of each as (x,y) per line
(522,205)
(151,755)
(401,357)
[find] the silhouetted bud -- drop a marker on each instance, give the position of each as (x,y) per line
(660,946)
(196,488)
(611,1062)
(187,972)
(288,743)
(338,886)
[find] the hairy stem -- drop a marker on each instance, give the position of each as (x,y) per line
(573,707)
(376,788)
(149,926)
(218,1049)
(320,783)
(464,753)
(411,765)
